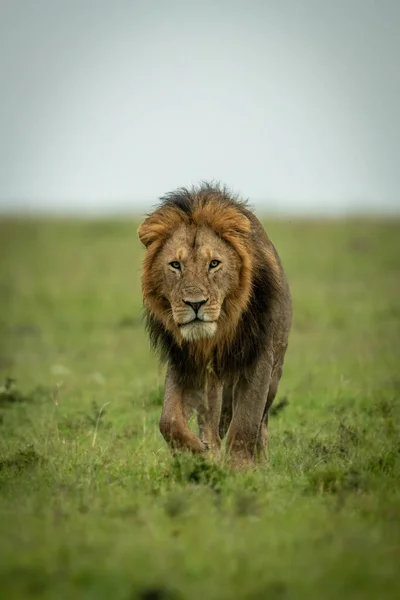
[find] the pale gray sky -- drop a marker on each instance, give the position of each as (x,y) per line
(107,105)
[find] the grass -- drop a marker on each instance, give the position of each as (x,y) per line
(93,506)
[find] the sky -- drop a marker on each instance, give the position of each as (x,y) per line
(105,106)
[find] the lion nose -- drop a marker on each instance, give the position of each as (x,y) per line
(195,305)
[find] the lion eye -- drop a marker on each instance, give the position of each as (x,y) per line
(214,263)
(175,265)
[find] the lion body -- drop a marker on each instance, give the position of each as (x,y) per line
(218,310)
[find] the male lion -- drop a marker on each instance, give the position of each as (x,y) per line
(218,310)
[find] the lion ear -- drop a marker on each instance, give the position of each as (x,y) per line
(158,226)
(224,220)
(231,222)
(145,233)
(240,223)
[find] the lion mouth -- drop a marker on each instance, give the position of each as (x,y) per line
(196,321)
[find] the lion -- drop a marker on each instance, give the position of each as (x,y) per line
(218,311)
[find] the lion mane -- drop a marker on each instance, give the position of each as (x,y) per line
(248,312)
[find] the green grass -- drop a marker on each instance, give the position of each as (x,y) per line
(92,505)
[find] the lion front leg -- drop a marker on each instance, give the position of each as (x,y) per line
(209,413)
(262,442)
(174,417)
(245,441)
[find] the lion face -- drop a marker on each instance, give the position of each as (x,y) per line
(197,270)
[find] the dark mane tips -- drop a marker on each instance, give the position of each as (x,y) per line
(188,200)
(181,198)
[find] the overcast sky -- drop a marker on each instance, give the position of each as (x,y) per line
(106,105)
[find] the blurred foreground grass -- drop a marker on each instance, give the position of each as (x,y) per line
(91,503)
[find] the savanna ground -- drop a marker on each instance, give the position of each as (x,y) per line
(92,505)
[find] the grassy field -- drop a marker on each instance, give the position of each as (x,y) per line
(92,506)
